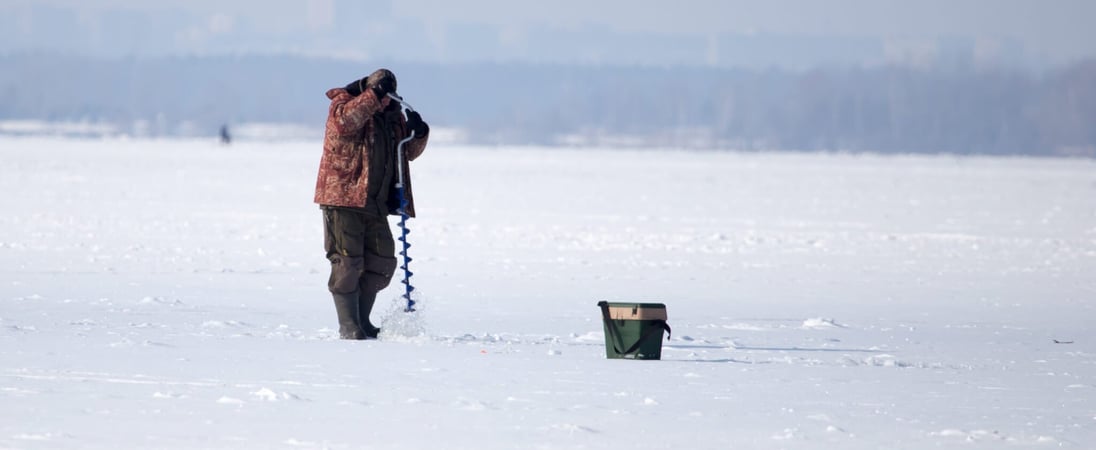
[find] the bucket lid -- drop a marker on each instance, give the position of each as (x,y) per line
(637,311)
(637,305)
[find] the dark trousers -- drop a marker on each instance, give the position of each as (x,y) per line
(361,251)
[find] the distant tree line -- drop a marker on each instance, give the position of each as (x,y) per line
(974,110)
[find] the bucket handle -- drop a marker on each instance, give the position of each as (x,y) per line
(614,333)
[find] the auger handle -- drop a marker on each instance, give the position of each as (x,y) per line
(405,107)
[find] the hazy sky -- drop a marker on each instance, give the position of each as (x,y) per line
(700,32)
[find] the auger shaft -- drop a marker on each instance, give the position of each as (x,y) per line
(402,191)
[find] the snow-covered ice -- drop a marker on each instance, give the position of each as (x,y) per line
(171,294)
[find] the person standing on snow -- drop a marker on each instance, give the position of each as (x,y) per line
(356,191)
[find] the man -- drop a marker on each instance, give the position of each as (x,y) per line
(356,192)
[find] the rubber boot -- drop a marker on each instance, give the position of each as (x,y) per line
(365,307)
(346,307)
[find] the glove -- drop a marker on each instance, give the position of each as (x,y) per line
(355,87)
(381,92)
(417,126)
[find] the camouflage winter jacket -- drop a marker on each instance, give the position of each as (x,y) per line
(351,137)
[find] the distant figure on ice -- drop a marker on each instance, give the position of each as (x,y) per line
(225,137)
(356,192)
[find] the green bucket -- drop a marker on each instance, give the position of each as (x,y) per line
(634,330)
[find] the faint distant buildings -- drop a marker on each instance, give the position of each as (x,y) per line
(954,52)
(935,97)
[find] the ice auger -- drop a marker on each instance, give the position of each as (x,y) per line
(402,192)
